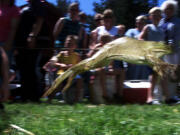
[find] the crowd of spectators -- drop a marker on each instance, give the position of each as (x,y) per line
(35,40)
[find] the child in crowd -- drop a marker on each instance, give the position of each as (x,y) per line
(122,29)
(153,32)
(64,60)
(101,72)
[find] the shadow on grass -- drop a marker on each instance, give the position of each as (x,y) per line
(4,120)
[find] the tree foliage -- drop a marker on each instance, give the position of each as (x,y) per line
(125,10)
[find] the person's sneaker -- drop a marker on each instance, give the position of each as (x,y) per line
(154,102)
(1,106)
(118,98)
(174,100)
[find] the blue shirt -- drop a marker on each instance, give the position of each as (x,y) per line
(133,33)
(171,29)
(136,72)
(155,33)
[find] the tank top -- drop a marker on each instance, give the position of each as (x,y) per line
(69,28)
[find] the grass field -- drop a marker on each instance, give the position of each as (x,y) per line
(87,119)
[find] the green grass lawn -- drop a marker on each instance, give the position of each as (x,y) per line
(87,119)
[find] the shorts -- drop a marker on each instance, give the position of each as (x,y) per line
(73,82)
(117,64)
(150,70)
(77,77)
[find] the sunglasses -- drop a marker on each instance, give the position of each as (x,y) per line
(98,20)
(75,9)
(107,17)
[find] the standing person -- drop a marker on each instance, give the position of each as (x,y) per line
(153,32)
(91,44)
(9,16)
(136,72)
(69,25)
(83,22)
(93,36)
(45,40)
(98,18)
(101,72)
(140,23)
(118,67)
(83,43)
(31,22)
(171,27)
(4,93)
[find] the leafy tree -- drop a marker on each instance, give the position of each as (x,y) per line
(125,10)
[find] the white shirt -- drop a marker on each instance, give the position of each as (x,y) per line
(101,30)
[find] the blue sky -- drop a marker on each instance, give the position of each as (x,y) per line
(85,5)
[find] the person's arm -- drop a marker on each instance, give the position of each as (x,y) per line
(93,50)
(35,31)
(93,38)
(78,58)
(128,33)
(143,34)
(58,27)
(5,76)
(54,63)
(177,35)
(83,35)
(174,34)
(66,66)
